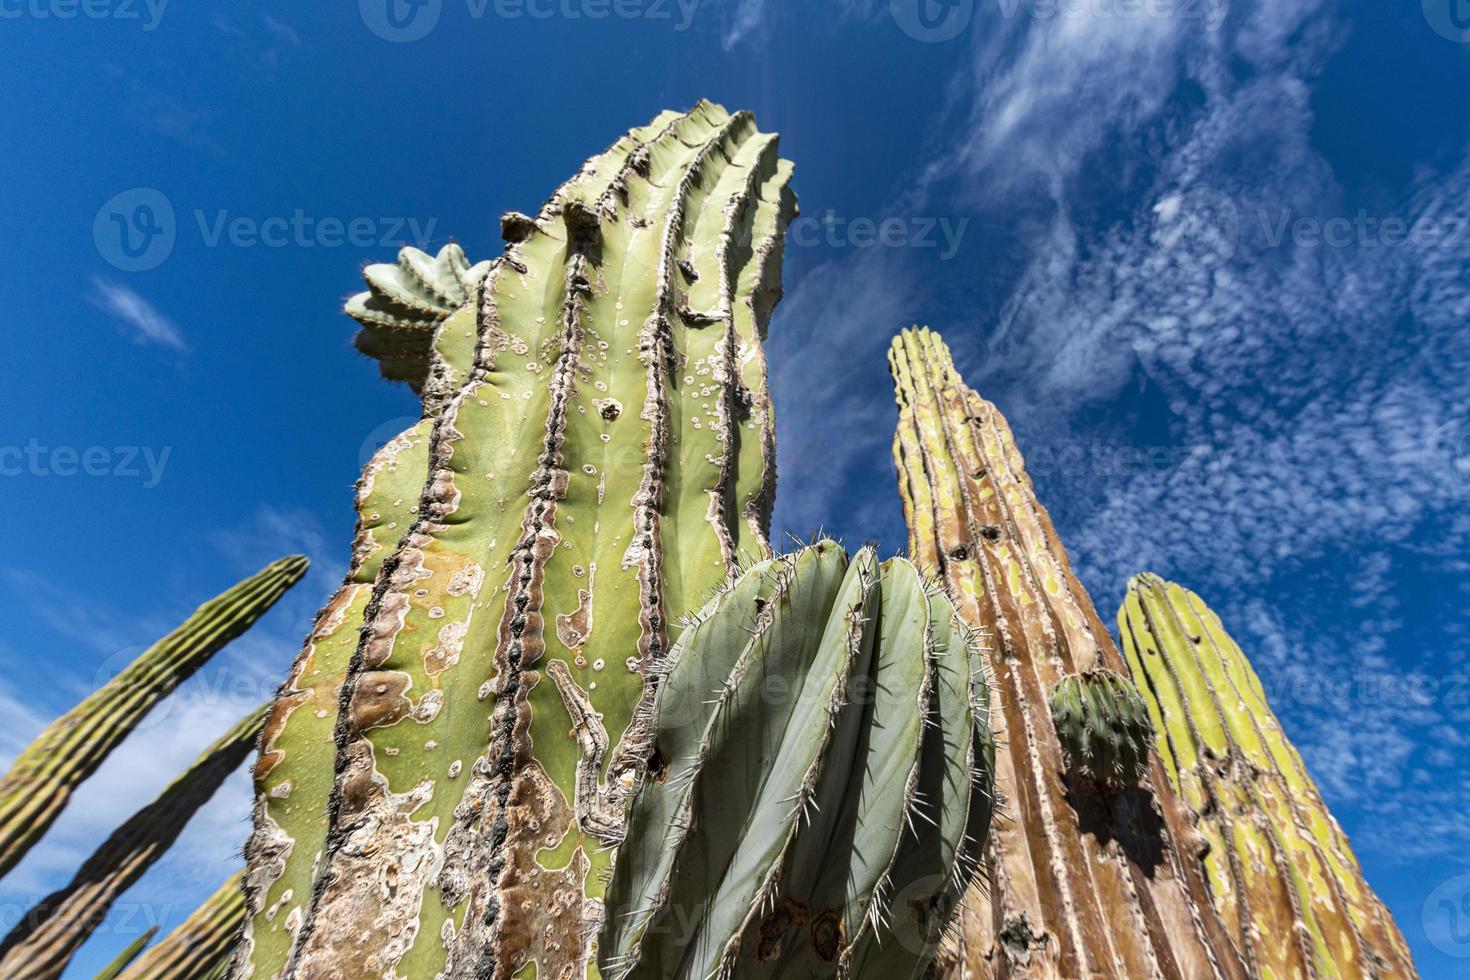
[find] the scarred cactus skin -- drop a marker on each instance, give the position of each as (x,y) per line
(1281,871)
(603,466)
(822,783)
(293,774)
(201,943)
(43,943)
(1078,882)
(39,784)
(1104,728)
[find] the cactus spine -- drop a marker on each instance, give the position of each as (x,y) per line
(822,784)
(39,784)
(43,943)
(1080,883)
(1104,728)
(293,775)
(468,826)
(1281,871)
(200,943)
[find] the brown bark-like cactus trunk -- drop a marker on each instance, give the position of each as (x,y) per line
(1078,881)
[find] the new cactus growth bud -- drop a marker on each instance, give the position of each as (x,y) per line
(1078,882)
(603,464)
(821,787)
(200,943)
(1281,871)
(1103,727)
(47,937)
(39,784)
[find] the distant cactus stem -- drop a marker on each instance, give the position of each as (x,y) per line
(1281,871)
(39,784)
(200,943)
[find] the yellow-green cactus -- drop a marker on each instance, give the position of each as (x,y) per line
(200,943)
(44,941)
(602,468)
(1078,882)
(39,784)
(293,775)
(130,952)
(1280,868)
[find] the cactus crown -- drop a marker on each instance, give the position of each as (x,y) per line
(1104,727)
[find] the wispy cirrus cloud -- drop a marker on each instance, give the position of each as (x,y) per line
(147,324)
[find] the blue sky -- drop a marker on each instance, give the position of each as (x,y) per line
(1211,258)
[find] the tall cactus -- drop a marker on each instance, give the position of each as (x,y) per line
(822,785)
(43,943)
(1281,871)
(605,464)
(416,298)
(1081,882)
(39,784)
(200,942)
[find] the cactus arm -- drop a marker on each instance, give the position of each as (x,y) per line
(748,802)
(1282,864)
(207,937)
(129,953)
(1079,884)
(39,784)
(45,940)
(575,514)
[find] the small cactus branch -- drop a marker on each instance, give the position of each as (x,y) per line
(43,943)
(200,942)
(1279,865)
(1078,882)
(37,787)
(129,953)
(587,483)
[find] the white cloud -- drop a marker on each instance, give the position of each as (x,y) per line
(148,324)
(745,20)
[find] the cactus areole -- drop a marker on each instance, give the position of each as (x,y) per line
(597,469)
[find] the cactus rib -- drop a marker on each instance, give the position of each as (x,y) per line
(1081,883)
(128,954)
(39,784)
(43,943)
(1278,864)
(200,942)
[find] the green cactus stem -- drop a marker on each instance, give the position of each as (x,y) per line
(39,784)
(1281,871)
(822,785)
(601,470)
(129,953)
(44,941)
(293,775)
(1078,882)
(200,942)
(1103,727)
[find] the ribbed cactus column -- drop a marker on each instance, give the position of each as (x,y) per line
(433,300)
(39,784)
(594,479)
(1082,881)
(200,942)
(43,943)
(1281,871)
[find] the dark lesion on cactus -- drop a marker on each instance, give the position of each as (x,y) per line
(788,915)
